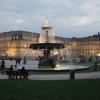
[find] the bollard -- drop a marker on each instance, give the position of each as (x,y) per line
(72,74)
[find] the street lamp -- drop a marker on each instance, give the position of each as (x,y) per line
(32,53)
(55,52)
(7,53)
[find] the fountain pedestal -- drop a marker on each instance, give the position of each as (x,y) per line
(47,60)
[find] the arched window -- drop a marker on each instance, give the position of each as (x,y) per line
(1,44)
(16,37)
(5,45)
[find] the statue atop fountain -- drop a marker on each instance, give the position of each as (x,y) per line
(47,45)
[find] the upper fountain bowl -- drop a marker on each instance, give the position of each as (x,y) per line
(49,46)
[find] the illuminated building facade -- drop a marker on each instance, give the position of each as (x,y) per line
(16,43)
(88,46)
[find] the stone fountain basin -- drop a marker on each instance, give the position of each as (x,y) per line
(33,66)
(61,67)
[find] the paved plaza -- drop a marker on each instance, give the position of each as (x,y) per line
(90,75)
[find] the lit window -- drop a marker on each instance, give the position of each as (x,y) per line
(16,37)
(13,37)
(25,45)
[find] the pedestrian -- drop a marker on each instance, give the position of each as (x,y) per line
(95,65)
(19,60)
(3,66)
(0,64)
(24,61)
(16,60)
(90,58)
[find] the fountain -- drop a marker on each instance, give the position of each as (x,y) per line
(48,46)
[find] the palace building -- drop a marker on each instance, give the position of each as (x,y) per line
(87,46)
(16,43)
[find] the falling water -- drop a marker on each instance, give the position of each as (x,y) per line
(26,54)
(42,38)
(67,53)
(45,54)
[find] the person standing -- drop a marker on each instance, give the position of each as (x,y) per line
(95,65)
(16,60)
(0,64)
(24,61)
(3,66)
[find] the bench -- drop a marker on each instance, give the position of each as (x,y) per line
(25,74)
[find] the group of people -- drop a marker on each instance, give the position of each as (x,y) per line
(18,60)
(16,69)
(81,60)
(91,58)
(12,68)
